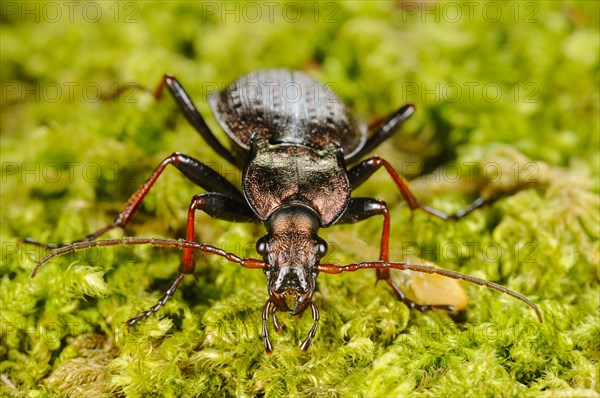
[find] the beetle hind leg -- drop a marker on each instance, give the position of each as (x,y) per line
(196,171)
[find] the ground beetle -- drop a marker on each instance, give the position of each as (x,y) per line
(292,137)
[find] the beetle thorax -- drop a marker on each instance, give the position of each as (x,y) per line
(281,174)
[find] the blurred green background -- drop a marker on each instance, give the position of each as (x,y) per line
(507,101)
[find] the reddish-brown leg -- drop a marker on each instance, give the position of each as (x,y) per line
(361,208)
(193,169)
(359,174)
(362,171)
(216,205)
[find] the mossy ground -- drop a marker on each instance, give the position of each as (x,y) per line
(515,94)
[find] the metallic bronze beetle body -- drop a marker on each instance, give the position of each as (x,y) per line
(293,138)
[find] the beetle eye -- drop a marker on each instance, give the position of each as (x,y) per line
(321,248)
(262,246)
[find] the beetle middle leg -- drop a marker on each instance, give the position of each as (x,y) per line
(193,169)
(362,208)
(216,205)
(357,176)
(363,170)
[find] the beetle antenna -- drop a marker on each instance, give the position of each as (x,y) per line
(159,242)
(427,269)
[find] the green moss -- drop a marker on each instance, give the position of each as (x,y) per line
(529,130)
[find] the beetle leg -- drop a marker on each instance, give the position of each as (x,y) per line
(216,205)
(163,300)
(361,208)
(385,129)
(187,107)
(362,171)
(193,169)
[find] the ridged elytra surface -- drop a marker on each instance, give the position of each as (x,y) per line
(286,106)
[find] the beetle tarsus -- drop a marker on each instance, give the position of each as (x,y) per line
(31,241)
(163,300)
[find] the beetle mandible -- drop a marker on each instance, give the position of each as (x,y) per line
(293,138)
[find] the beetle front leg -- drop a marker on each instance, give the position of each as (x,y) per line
(362,208)
(215,205)
(218,206)
(362,171)
(163,300)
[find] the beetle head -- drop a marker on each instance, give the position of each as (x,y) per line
(292,250)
